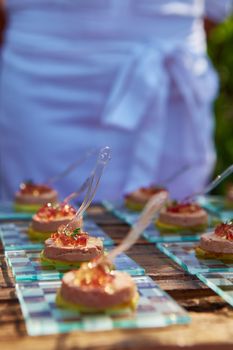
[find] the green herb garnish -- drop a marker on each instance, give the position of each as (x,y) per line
(76,232)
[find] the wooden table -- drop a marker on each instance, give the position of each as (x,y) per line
(212,319)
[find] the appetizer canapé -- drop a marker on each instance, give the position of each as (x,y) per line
(137,200)
(69,248)
(31,197)
(182,217)
(48,219)
(217,244)
(95,288)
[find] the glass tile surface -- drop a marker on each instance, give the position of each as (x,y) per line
(184,255)
(15,237)
(151,234)
(220,282)
(217,205)
(42,316)
(26,266)
(7,212)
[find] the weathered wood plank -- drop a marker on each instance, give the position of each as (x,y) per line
(208,331)
(10,311)
(212,319)
(6,276)
(7,294)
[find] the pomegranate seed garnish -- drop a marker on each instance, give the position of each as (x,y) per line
(187,208)
(74,239)
(230,236)
(152,190)
(225,230)
(50,211)
(97,276)
(33,189)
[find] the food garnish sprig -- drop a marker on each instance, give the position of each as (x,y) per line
(74,237)
(76,232)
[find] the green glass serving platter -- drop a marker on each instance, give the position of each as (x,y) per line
(152,234)
(7,212)
(184,255)
(42,315)
(220,282)
(26,266)
(15,236)
(216,205)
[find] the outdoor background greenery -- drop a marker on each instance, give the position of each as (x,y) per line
(220,47)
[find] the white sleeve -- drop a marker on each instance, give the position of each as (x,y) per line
(218,10)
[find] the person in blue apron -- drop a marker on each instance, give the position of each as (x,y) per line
(130,74)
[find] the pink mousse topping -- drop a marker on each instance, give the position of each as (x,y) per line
(97,288)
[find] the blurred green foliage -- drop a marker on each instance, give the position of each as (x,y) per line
(220,48)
